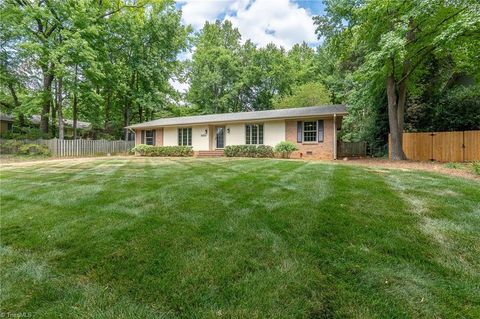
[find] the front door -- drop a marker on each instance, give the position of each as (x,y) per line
(220,136)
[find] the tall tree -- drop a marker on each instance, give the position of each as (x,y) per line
(394,40)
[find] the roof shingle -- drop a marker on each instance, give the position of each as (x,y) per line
(247,116)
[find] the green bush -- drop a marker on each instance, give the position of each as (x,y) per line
(163,151)
(286,148)
(34,150)
(143,149)
(476,167)
(249,151)
(10,147)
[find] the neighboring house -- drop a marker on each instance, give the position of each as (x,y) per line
(6,123)
(313,129)
(68,124)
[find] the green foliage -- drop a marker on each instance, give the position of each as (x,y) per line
(249,151)
(25,133)
(476,167)
(429,47)
(163,151)
(309,94)
(10,146)
(21,148)
(286,148)
(34,150)
(113,59)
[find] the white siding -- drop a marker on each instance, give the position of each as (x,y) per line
(273,132)
(199,138)
(199,142)
(236,135)
(170,137)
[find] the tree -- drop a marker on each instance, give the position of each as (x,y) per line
(394,41)
(215,70)
(309,94)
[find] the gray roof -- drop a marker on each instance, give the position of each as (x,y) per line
(324,110)
(6,117)
(35,119)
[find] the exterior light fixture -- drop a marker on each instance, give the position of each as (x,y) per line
(228,130)
(206,131)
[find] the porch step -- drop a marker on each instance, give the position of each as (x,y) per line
(216,153)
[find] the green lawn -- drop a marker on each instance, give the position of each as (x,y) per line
(246,238)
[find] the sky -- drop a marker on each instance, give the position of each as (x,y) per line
(283,22)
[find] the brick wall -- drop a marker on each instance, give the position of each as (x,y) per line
(159,137)
(138,137)
(323,150)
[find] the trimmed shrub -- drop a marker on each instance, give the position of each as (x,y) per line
(163,151)
(286,148)
(143,149)
(34,150)
(249,151)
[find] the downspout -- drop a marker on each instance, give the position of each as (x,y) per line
(334,136)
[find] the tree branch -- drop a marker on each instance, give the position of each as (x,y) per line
(118,10)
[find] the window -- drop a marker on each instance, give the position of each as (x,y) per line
(254,134)
(185,136)
(310,131)
(149,137)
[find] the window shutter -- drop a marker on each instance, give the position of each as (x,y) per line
(154,137)
(299,132)
(320,131)
(143,137)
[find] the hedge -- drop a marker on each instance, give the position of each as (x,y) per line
(249,151)
(22,148)
(163,151)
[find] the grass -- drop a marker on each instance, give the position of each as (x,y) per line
(244,238)
(473,167)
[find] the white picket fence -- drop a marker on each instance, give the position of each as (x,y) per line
(64,148)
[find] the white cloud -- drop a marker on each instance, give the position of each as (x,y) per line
(196,12)
(181,87)
(281,22)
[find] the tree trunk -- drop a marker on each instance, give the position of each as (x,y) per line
(16,103)
(106,126)
(395,119)
(47,73)
(126,118)
(61,130)
(75,105)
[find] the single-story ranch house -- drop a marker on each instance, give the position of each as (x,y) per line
(313,129)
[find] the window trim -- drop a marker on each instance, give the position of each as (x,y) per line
(181,140)
(150,137)
(310,131)
(259,127)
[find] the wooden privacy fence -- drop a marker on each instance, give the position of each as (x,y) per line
(460,146)
(351,149)
(80,147)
